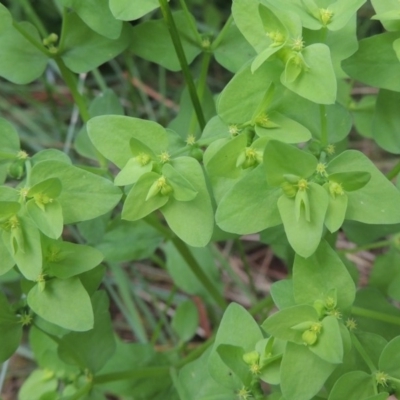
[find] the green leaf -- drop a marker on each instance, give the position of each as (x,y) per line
(355,385)
(132,171)
(385,123)
(192,221)
(48,219)
(23,243)
(318,82)
(20,61)
(116,244)
(128,10)
(316,276)
(375,62)
(9,140)
(232,357)
(111,135)
(387,11)
(336,212)
(84,195)
(80,40)
(197,384)
(287,129)
(37,385)
(183,190)
(343,11)
(7,262)
(152,41)
(281,324)
(65,260)
(91,349)
(377,202)
(63,302)
(97,15)
(182,275)
(136,206)
(363,112)
(237,328)
(5,17)
(304,235)
(350,181)
(308,114)
(248,20)
(250,206)
(10,329)
(329,345)
(185,320)
(389,361)
(233,51)
(243,94)
(302,372)
(282,293)
(283,159)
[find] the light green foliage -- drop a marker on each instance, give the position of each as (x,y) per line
(264,150)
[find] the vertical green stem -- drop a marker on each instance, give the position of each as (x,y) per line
(324,128)
(359,347)
(246,265)
(183,62)
(222,33)
(31,14)
(71,82)
(185,253)
(201,87)
(190,20)
(3,372)
(99,79)
(393,172)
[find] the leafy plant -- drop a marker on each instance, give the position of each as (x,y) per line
(269,154)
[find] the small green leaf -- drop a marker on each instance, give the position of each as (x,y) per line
(20,61)
(375,62)
(136,206)
(97,15)
(111,135)
(64,260)
(336,212)
(182,189)
(185,320)
(386,120)
(281,324)
(281,159)
(63,302)
(318,82)
(389,361)
(354,385)
(237,328)
(91,349)
(80,41)
(350,181)
(302,372)
(128,10)
(37,385)
(304,236)
(232,357)
(48,218)
(316,276)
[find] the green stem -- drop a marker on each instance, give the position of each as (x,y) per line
(324,129)
(246,266)
(267,302)
(394,171)
(70,80)
(363,312)
(31,14)
(190,21)
(185,253)
(161,321)
(136,373)
(369,246)
(201,87)
(222,33)
(99,79)
(198,271)
(183,62)
(32,40)
(359,347)
(82,392)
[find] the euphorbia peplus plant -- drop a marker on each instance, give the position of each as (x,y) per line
(269,156)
